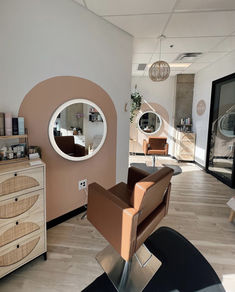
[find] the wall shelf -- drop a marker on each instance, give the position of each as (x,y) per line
(25,136)
(14,160)
(4,139)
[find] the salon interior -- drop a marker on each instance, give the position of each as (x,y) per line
(117,142)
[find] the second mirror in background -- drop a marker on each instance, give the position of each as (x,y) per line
(150,122)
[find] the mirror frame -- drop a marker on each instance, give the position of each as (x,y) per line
(52,122)
(138,122)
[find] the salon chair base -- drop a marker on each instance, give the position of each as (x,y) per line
(130,276)
(154,161)
(183,267)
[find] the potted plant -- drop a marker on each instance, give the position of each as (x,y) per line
(136,100)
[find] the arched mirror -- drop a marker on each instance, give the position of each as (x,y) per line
(149,122)
(77,129)
(227,125)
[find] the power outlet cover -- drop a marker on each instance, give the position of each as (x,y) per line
(82,184)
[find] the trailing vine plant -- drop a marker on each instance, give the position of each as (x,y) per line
(136,100)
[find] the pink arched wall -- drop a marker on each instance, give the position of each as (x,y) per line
(138,136)
(62,175)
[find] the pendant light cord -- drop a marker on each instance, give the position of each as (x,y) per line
(160,48)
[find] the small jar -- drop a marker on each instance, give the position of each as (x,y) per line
(3,153)
(22,150)
(15,149)
(10,153)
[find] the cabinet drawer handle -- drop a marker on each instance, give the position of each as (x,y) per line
(17,222)
(16,199)
(15,174)
(18,246)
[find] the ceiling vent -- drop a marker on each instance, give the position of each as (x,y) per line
(187,57)
(141,67)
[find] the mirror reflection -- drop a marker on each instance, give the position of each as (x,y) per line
(78,130)
(227,125)
(221,140)
(150,122)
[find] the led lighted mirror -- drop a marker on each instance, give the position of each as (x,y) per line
(77,129)
(149,122)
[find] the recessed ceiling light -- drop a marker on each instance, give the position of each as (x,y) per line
(180,65)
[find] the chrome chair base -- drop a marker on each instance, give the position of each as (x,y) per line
(132,276)
(154,161)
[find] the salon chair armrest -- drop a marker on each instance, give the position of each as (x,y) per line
(113,218)
(166,199)
(145,146)
(135,175)
(166,148)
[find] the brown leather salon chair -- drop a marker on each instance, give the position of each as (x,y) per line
(155,146)
(127,214)
(67,145)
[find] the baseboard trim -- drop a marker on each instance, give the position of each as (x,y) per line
(199,165)
(65,217)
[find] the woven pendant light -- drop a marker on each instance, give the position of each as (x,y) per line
(160,70)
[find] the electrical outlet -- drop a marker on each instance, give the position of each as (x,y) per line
(82,184)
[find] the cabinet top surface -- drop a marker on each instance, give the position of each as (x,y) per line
(19,166)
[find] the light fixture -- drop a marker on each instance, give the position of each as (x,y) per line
(160,70)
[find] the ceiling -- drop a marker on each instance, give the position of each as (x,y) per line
(206,26)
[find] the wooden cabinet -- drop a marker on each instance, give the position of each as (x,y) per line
(185,146)
(22,214)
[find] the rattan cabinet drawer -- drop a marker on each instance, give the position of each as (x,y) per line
(21,206)
(21,251)
(22,214)
(188,157)
(21,181)
(185,146)
(187,137)
(26,223)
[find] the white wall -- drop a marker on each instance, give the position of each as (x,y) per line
(162,93)
(93,130)
(45,38)
(202,90)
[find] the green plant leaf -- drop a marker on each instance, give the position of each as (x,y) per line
(136,101)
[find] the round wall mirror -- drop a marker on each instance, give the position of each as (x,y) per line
(77,129)
(149,122)
(227,125)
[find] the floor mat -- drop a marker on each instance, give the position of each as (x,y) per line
(177,169)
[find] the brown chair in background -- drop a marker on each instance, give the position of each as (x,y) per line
(155,146)
(127,214)
(67,145)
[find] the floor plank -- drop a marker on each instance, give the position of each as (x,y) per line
(197,210)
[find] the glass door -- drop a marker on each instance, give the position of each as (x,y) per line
(221,138)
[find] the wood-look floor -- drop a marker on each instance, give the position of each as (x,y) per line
(197,210)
